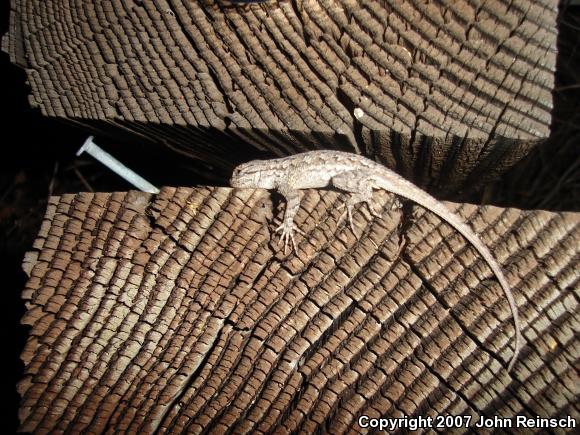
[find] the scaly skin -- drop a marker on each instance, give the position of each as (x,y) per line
(359,176)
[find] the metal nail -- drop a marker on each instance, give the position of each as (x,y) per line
(116,166)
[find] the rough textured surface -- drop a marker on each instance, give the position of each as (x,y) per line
(179,312)
(446,93)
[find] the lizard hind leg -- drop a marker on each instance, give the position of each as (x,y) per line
(360,184)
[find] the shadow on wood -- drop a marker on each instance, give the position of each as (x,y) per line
(425,87)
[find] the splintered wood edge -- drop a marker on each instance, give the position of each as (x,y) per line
(450,93)
(179,312)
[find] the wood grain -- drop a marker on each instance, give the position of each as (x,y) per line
(179,313)
(450,94)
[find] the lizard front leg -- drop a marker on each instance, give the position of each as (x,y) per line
(360,184)
(292,197)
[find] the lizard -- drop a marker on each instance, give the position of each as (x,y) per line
(357,175)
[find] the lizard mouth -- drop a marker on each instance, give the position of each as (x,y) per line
(241,177)
(235,178)
(239,180)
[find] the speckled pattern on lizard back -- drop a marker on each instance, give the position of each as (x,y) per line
(359,176)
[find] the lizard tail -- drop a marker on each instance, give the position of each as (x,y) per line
(409,191)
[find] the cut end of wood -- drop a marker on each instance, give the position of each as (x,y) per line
(179,313)
(424,86)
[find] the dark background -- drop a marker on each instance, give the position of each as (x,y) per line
(39,160)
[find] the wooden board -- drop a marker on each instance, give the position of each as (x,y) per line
(180,313)
(448,93)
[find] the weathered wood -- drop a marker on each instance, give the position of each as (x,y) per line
(449,93)
(180,312)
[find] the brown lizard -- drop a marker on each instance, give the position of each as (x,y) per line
(359,176)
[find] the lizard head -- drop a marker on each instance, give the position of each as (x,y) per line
(253,174)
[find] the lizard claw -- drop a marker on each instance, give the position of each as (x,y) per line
(287,229)
(348,212)
(396,204)
(374,211)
